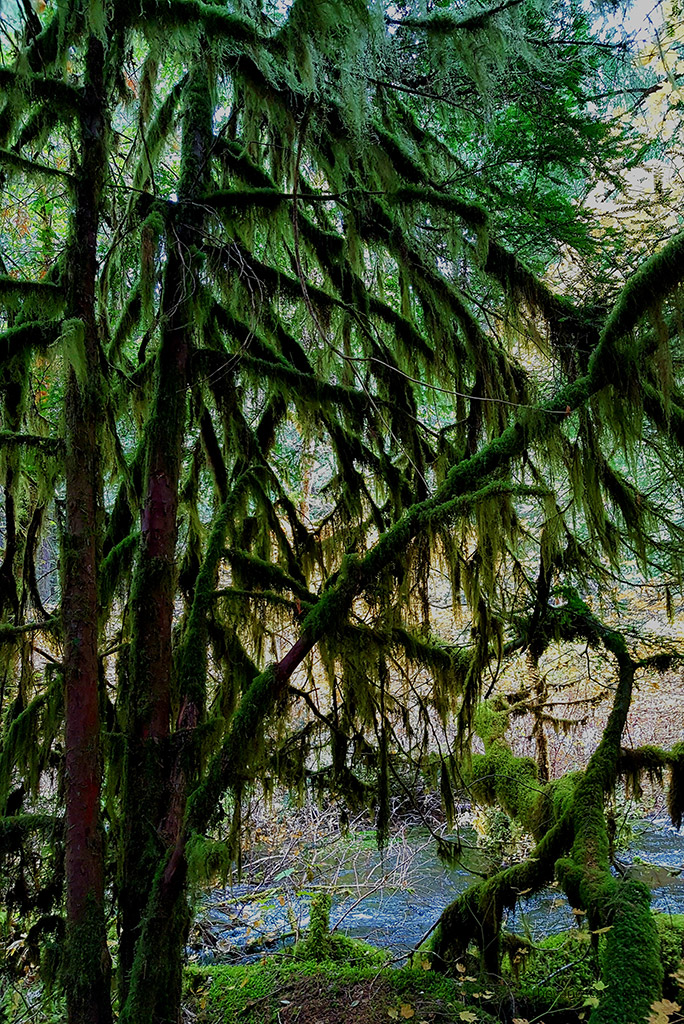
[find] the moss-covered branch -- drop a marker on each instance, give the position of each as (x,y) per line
(30,295)
(9,158)
(16,828)
(47,445)
(64,100)
(568,819)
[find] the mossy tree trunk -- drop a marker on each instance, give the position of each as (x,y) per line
(567,817)
(153,791)
(87,962)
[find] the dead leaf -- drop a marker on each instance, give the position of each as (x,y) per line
(406,1011)
(665,1006)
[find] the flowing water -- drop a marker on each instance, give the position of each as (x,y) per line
(395,900)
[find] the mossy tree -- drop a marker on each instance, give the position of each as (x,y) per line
(268,242)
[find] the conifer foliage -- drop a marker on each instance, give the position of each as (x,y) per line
(276,347)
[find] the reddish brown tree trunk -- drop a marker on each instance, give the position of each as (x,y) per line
(87,963)
(152,803)
(148,710)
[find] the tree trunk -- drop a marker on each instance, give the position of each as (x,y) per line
(151,795)
(87,966)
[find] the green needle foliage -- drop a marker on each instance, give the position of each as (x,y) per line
(278,347)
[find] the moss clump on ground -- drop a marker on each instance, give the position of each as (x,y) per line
(557,973)
(287,989)
(570,971)
(671,931)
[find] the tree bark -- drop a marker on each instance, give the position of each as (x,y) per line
(152,798)
(87,965)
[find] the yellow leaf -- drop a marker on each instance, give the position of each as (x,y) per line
(523,892)
(602,931)
(244,981)
(468,1016)
(426,965)
(460,968)
(577,912)
(394,1014)
(406,1011)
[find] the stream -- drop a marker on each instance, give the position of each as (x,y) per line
(393,901)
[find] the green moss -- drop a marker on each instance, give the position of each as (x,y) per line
(232,993)
(554,974)
(320,945)
(498,777)
(632,968)
(8,158)
(671,932)
(491,720)
(208,860)
(32,297)
(85,967)
(113,567)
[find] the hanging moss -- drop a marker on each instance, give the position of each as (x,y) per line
(157,133)
(209,860)
(117,562)
(178,15)
(48,445)
(28,739)
(151,233)
(62,98)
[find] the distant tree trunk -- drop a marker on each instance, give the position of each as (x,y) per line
(87,969)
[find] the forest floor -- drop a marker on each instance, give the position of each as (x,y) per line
(290,992)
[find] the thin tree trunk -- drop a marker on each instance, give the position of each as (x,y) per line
(150,795)
(87,969)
